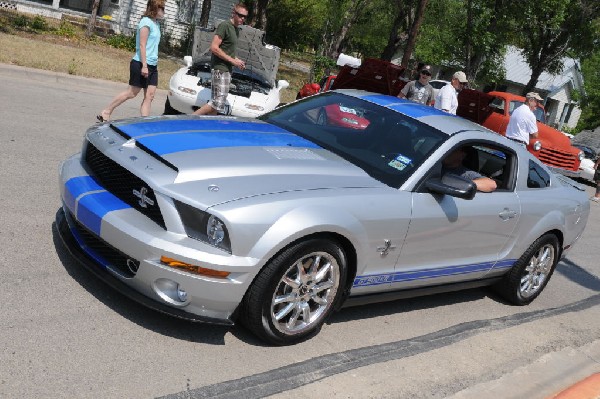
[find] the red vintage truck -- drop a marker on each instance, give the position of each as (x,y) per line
(493,111)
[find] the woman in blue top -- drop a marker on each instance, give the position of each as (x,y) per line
(143,73)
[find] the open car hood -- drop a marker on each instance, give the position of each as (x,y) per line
(260,58)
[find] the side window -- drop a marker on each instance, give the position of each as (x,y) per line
(497,105)
(537,177)
(495,163)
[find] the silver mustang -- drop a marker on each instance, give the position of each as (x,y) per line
(338,199)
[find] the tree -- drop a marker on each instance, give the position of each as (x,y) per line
(555,28)
(351,11)
(205,13)
(92,21)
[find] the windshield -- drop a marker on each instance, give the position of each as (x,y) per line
(387,145)
(538,112)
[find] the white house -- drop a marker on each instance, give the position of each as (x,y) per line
(122,16)
(555,89)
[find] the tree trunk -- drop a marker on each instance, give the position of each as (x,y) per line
(92,22)
(260,14)
(413,33)
(205,13)
(335,46)
(394,41)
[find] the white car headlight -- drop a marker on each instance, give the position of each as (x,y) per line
(581,156)
(203,226)
(537,146)
(187,90)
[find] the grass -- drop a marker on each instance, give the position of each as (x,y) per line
(54,45)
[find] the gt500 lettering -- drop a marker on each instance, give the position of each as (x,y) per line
(373,280)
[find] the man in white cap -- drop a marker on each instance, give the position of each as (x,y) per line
(447,97)
(522,123)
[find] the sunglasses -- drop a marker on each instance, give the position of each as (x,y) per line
(425,73)
(241,15)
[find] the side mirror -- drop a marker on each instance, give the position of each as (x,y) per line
(187,60)
(283,84)
(452,185)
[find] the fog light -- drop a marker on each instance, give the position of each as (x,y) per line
(537,146)
(181,294)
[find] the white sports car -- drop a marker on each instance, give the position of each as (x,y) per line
(253,91)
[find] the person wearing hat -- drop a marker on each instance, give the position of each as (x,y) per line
(419,91)
(447,97)
(522,124)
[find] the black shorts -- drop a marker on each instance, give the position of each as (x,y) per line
(135,75)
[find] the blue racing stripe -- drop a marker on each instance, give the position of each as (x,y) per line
(76,186)
(169,143)
(404,276)
(405,107)
(176,125)
(93,207)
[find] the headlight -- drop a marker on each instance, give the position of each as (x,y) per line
(203,226)
(581,155)
(187,90)
(537,146)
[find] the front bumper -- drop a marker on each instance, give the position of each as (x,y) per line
(66,234)
(114,237)
(565,172)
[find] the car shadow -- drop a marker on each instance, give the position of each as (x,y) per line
(147,318)
(578,274)
(413,304)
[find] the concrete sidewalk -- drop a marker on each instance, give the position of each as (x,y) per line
(547,377)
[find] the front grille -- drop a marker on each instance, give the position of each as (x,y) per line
(558,159)
(103,252)
(123,184)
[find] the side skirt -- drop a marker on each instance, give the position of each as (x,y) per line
(404,294)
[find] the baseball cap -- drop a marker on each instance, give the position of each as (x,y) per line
(460,75)
(426,69)
(533,94)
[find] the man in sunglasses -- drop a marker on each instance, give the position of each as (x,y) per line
(223,49)
(419,91)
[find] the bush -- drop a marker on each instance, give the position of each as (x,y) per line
(122,42)
(39,23)
(66,29)
(20,22)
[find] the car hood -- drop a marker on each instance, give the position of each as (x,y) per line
(260,58)
(223,159)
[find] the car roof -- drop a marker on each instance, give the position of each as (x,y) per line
(440,120)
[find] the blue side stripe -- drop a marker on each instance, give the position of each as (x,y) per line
(399,277)
(93,207)
(144,128)
(76,186)
(169,143)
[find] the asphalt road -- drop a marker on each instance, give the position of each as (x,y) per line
(63,333)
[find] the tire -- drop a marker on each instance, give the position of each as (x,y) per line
(295,293)
(170,110)
(532,271)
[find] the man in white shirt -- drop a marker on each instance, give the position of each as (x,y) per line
(447,97)
(522,123)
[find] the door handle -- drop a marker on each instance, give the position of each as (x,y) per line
(507,214)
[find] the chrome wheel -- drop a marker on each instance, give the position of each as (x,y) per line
(305,293)
(537,271)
